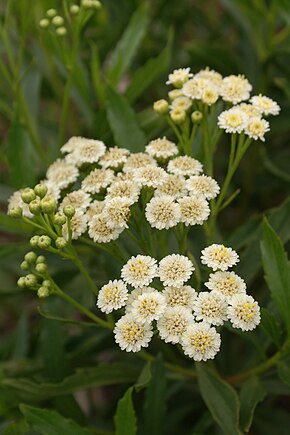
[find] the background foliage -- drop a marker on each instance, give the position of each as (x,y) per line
(101,84)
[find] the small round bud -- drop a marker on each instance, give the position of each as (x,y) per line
(161,107)
(44,23)
(87,4)
(30,257)
(51,13)
(46,283)
(69,211)
(30,280)
(178,116)
(21,282)
(57,21)
(35,206)
(41,268)
(48,204)
(34,241)
(15,212)
(61,31)
(196,116)
(44,242)
(43,292)
(24,265)
(175,93)
(60,242)
(28,195)
(59,219)
(96,4)
(74,9)
(41,190)
(40,259)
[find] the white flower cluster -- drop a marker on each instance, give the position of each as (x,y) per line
(207,86)
(178,312)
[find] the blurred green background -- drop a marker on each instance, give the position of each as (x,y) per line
(101,83)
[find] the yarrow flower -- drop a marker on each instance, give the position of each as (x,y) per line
(181,103)
(132,335)
(211,307)
(200,341)
(226,283)
(100,232)
(112,296)
(139,271)
(178,77)
(174,186)
(114,158)
(219,257)
(175,270)
(126,189)
(233,120)
(148,306)
(203,185)
(134,296)
(194,210)
(183,296)
(62,174)
(161,148)
(265,105)
(235,89)
(256,128)
(78,225)
(97,179)
(79,199)
(138,160)
(184,165)
(117,212)
(244,312)
(85,151)
(149,176)
(162,212)
(173,323)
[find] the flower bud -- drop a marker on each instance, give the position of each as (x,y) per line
(34,241)
(35,206)
(44,242)
(41,268)
(21,282)
(59,219)
(28,195)
(40,259)
(178,116)
(61,31)
(46,283)
(43,292)
(41,190)
(69,211)
(30,257)
(15,212)
(57,21)
(51,13)
(74,9)
(96,4)
(196,116)
(60,242)
(30,280)
(24,265)
(175,93)
(44,23)
(48,204)
(161,107)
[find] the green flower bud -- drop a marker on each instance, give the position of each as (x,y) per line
(60,242)
(196,116)
(30,280)
(35,207)
(30,257)
(44,242)
(51,13)
(161,107)
(34,241)
(48,204)
(44,23)
(41,190)
(28,195)
(43,292)
(46,283)
(24,265)
(61,31)
(21,282)
(57,21)
(96,4)
(87,4)
(69,211)
(74,9)
(41,268)
(59,219)
(40,259)
(15,212)
(178,116)
(175,93)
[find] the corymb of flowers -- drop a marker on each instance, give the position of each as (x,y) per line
(132,204)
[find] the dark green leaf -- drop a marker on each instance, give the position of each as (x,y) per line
(144,378)
(21,338)
(284,372)
(128,44)
(123,122)
(277,271)
(125,418)
(16,428)
(252,392)
(270,326)
(49,422)
(220,398)
(272,167)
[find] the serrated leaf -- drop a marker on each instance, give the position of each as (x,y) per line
(122,120)
(252,392)
(125,418)
(48,422)
(128,45)
(220,398)
(277,271)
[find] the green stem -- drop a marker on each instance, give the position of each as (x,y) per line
(76,260)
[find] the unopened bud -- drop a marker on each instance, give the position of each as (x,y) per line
(59,219)
(51,13)
(44,23)
(161,107)
(178,116)
(24,265)
(44,242)
(196,116)
(57,21)
(34,241)
(30,280)
(41,268)
(48,204)
(15,212)
(40,259)
(46,283)
(69,211)
(35,206)
(30,257)
(43,292)
(74,9)
(61,31)
(28,195)
(60,242)
(21,282)
(175,93)
(41,190)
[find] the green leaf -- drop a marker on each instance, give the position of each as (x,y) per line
(16,428)
(277,271)
(154,406)
(272,167)
(252,392)
(48,422)
(220,398)
(128,44)
(284,372)
(97,79)
(145,75)
(144,378)
(270,326)
(125,418)
(122,120)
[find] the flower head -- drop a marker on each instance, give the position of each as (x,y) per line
(130,335)
(178,77)
(138,160)
(149,176)
(161,148)
(265,105)
(162,212)
(233,120)
(235,89)
(97,179)
(174,186)
(100,232)
(175,269)
(173,323)
(139,271)
(226,283)
(117,212)
(126,189)
(85,151)
(133,296)
(183,296)
(203,185)
(194,210)
(184,165)
(211,307)
(244,312)
(78,224)
(181,103)
(256,128)
(112,296)
(96,207)
(114,158)
(219,257)
(200,341)
(62,173)
(148,306)
(79,199)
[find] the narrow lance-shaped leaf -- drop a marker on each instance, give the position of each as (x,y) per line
(252,392)
(125,418)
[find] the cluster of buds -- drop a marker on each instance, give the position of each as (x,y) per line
(91,4)
(177,115)
(37,277)
(54,21)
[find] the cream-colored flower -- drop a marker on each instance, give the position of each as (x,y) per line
(112,296)
(139,271)
(130,335)
(183,296)
(174,270)
(79,199)
(233,120)
(219,257)
(71,144)
(203,185)
(162,212)
(181,103)
(134,295)
(126,189)
(100,232)
(117,212)
(209,96)
(97,180)
(201,341)
(211,75)
(138,160)
(86,151)
(235,89)
(194,88)
(265,105)
(194,209)
(161,148)
(78,225)
(96,207)
(174,186)
(244,312)
(175,93)
(184,165)
(256,128)
(249,110)
(149,176)
(62,174)
(173,323)
(148,306)
(178,77)
(211,307)
(114,158)
(226,283)
(52,189)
